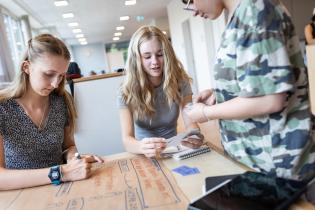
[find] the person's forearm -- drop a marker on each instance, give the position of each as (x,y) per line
(17,179)
(189,124)
(308,31)
(186,104)
(132,145)
(241,108)
(310,41)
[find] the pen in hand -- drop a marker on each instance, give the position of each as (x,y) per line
(77,155)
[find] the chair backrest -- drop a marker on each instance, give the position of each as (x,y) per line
(310,56)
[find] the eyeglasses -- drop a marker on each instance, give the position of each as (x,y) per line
(187,7)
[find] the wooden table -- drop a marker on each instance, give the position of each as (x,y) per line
(209,164)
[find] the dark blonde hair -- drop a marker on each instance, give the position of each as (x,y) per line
(36,47)
(137,90)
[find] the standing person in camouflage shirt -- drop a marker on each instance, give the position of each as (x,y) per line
(260,96)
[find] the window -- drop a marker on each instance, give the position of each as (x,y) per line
(15,39)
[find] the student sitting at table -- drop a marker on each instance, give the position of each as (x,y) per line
(37,118)
(155,89)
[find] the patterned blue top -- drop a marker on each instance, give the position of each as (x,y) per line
(27,147)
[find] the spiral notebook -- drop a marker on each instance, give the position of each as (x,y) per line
(191,152)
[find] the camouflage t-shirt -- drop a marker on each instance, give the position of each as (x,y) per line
(260,55)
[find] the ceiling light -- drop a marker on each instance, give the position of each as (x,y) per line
(79,35)
(44,31)
(124,18)
(82,40)
(116,38)
(61,3)
(120,28)
(68,15)
(77,30)
(117,34)
(83,43)
(130,2)
(74,24)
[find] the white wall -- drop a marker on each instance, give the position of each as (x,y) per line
(175,16)
(205,35)
(115,60)
(161,23)
(200,53)
(98,127)
(90,57)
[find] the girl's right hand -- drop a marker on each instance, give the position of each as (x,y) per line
(152,147)
(78,169)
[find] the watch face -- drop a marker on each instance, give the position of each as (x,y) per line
(55,175)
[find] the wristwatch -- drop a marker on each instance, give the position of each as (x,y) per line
(55,175)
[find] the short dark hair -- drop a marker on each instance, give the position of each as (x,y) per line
(313,18)
(185,1)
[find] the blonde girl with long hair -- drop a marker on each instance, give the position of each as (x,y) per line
(37,119)
(155,90)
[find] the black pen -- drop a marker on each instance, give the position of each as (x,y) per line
(77,155)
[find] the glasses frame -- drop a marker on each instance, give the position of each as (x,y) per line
(187,6)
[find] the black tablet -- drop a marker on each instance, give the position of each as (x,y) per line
(250,191)
(213,181)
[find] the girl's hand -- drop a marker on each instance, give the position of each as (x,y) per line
(152,147)
(206,97)
(78,169)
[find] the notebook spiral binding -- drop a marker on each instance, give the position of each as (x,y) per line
(191,153)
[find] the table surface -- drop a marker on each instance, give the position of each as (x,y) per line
(209,164)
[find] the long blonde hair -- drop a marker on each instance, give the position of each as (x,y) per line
(137,90)
(44,43)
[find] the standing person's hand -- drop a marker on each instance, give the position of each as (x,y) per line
(206,97)
(152,147)
(78,169)
(196,113)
